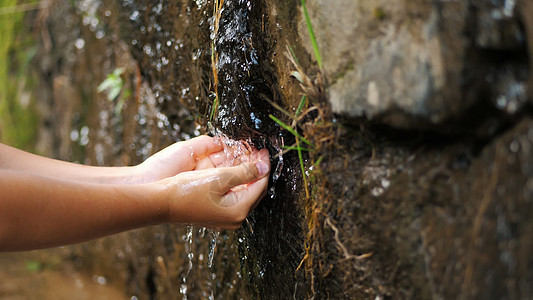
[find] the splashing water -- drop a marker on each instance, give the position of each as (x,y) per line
(190,255)
(235,152)
(238,152)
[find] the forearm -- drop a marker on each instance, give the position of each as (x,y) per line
(14,159)
(38,212)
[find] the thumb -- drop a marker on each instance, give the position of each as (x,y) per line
(243,174)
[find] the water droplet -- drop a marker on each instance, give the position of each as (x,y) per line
(377,191)
(134,16)
(101,280)
(99,34)
(200,3)
(80,43)
(385,183)
(74,135)
(148,50)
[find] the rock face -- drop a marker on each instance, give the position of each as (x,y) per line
(408,63)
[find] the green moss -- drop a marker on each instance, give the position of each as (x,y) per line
(18,117)
(379,13)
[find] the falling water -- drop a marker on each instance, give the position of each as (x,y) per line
(212,249)
(190,255)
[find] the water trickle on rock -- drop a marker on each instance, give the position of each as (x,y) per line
(242,83)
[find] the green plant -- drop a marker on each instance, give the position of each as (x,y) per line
(312,35)
(18,116)
(298,137)
(114,85)
(290,129)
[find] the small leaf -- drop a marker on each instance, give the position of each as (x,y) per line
(106,84)
(114,92)
(118,71)
(298,76)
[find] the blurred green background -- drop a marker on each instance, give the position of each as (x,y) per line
(18,114)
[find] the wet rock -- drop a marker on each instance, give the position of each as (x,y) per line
(410,64)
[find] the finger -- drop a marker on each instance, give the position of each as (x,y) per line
(246,198)
(204,163)
(202,145)
(217,158)
(263,194)
(245,173)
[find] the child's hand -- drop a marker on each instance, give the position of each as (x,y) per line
(218,197)
(198,153)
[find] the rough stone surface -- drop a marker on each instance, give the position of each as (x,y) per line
(408,63)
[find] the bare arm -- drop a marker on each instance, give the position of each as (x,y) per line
(45,202)
(18,160)
(39,212)
(179,157)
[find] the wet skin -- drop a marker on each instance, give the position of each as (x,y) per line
(46,203)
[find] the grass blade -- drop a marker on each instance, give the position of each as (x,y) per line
(289,129)
(312,35)
(296,148)
(214,108)
(300,106)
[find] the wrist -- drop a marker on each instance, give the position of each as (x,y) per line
(138,174)
(161,192)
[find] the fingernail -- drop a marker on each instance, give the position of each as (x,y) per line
(262,168)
